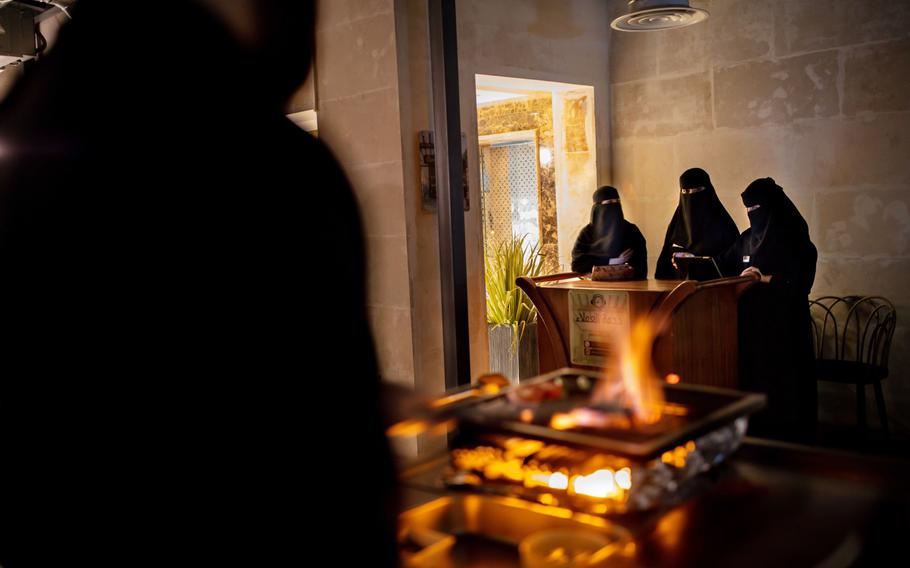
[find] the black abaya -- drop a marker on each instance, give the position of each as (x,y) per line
(607,236)
(775,349)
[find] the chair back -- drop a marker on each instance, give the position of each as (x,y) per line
(853,328)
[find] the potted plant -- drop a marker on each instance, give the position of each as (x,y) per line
(511,316)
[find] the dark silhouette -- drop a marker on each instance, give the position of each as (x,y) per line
(609,238)
(187,371)
(700,226)
(775,348)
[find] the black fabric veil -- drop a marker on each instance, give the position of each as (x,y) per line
(777,242)
(608,235)
(700,225)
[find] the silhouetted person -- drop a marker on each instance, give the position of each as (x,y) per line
(609,239)
(775,351)
(700,226)
(187,375)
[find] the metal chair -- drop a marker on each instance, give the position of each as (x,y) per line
(852,340)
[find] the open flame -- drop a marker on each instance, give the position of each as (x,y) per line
(553,469)
(639,385)
(630,382)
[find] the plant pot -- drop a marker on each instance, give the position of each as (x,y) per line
(516,364)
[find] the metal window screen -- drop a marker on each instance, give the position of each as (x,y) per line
(510,185)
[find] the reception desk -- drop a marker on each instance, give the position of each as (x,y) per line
(579,321)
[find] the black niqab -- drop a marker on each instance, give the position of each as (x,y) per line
(777,241)
(608,235)
(700,225)
(607,223)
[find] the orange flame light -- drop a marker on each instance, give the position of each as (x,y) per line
(502,465)
(641,385)
(600,484)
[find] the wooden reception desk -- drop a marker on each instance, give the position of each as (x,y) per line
(700,343)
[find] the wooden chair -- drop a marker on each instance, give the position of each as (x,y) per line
(852,340)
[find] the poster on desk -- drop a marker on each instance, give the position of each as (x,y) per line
(599,319)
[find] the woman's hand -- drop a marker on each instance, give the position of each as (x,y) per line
(676,255)
(622,258)
(756,274)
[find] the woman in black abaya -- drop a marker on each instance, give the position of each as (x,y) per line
(775,350)
(700,226)
(609,238)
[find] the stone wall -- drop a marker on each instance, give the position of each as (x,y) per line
(814,93)
(357,86)
(577,162)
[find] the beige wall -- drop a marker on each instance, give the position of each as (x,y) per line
(359,118)
(423,240)
(813,93)
(576,167)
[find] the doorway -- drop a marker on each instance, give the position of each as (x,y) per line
(537,162)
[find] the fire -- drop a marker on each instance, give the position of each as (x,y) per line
(600,484)
(624,478)
(558,481)
(679,455)
(588,418)
(500,465)
(642,387)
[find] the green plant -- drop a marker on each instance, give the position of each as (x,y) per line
(506,303)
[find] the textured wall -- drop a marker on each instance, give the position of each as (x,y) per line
(358,105)
(578,161)
(814,93)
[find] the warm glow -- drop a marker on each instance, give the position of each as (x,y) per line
(674,409)
(489,389)
(546,156)
(522,448)
(527,415)
(511,470)
(642,386)
(513,463)
(588,418)
(558,481)
(673,379)
(407,428)
(562,421)
(624,478)
(679,455)
(599,484)
(671,529)
(538,479)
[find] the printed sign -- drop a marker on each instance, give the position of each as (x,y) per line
(600,318)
